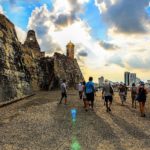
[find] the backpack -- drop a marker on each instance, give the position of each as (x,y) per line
(134,90)
(111,90)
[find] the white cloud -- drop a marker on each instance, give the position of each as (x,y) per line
(54,33)
(21,34)
(1,10)
(53,38)
(128,16)
(103,5)
(129,31)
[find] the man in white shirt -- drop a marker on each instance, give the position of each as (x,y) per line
(107,93)
(63,92)
(80,89)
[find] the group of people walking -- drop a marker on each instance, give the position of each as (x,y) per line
(87,93)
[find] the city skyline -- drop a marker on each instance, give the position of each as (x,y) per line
(110,36)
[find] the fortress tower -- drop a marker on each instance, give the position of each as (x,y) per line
(31,41)
(70,50)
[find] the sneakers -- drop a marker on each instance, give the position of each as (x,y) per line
(143,115)
(108,109)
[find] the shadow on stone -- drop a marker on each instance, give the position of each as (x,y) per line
(94,130)
(36,102)
(131,129)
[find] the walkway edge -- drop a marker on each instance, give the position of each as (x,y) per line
(14,101)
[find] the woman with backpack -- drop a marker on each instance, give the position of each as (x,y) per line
(133,95)
(141,97)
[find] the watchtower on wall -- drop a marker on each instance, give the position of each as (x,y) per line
(31,41)
(70,50)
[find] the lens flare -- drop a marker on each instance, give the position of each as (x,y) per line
(73,114)
(147,10)
(75,145)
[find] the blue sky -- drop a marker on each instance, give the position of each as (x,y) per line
(93,18)
(20,17)
(109,35)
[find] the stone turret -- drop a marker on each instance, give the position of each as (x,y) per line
(70,50)
(31,41)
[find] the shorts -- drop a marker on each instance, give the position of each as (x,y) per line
(141,98)
(90,96)
(133,97)
(108,98)
(84,96)
(64,95)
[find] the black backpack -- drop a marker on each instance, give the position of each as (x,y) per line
(111,90)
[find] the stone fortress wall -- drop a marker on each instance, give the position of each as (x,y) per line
(25,69)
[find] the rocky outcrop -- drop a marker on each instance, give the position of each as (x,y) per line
(67,68)
(57,68)
(24,68)
(14,76)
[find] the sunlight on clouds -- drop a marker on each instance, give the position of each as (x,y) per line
(103,5)
(60,7)
(54,32)
(21,34)
(83,1)
(77,32)
(1,10)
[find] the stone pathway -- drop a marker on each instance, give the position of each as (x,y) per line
(39,123)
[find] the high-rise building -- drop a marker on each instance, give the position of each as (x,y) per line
(129,78)
(126,78)
(101,81)
(132,78)
(148,81)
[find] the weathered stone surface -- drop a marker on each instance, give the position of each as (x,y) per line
(67,68)
(39,123)
(24,68)
(14,75)
(57,68)
(70,50)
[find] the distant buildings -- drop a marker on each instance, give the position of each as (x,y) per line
(148,81)
(130,78)
(126,78)
(101,81)
(138,80)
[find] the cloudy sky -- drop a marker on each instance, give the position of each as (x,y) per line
(111,36)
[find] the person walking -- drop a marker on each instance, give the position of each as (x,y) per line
(133,95)
(90,93)
(141,97)
(107,93)
(122,93)
(126,92)
(84,94)
(63,92)
(80,89)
